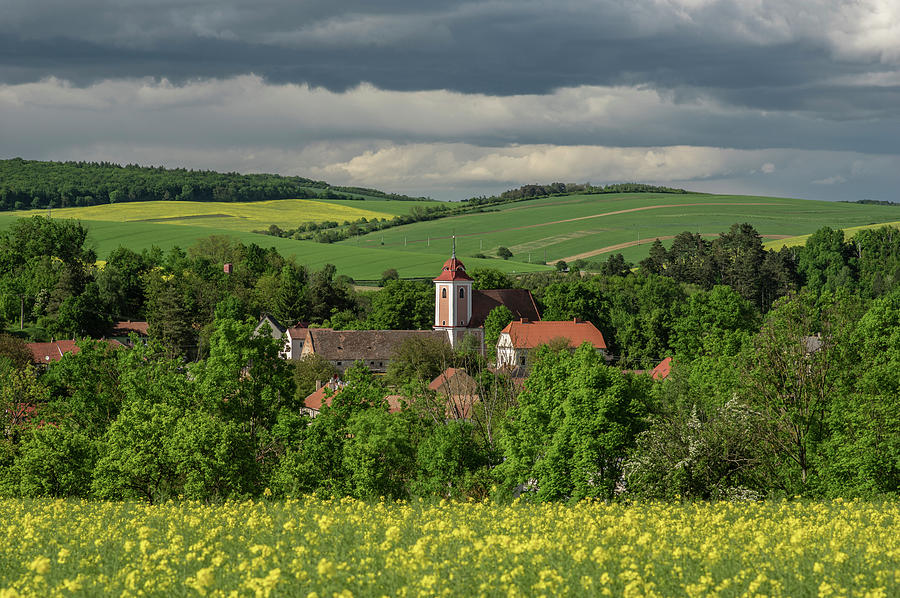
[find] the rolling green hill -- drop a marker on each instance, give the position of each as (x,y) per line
(238,216)
(357,262)
(536,231)
(594,226)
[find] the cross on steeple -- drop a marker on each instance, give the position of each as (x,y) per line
(453,252)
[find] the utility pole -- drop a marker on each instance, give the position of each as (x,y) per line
(21,311)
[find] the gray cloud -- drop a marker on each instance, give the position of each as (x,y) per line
(772,54)
(798,97)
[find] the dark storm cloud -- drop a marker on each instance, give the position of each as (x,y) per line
(493,48)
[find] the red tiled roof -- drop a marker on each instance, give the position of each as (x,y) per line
(54,350)
(297,331)
(662,370)
(518,301)
(460,389)
(526,334)
(453,270)
(316,399)
(129,327)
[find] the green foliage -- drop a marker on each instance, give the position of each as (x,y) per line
(69,184)
(490,278)
(862,455)
(55,461)
(308,371)
(419,359)
(379,455)
(448,460)
(573,427)
(14,349)
(504,252)
(826,262)
(720,313)
(496,321)
(403,305)
(85,387)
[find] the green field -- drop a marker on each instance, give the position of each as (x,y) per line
(849,233)
(548,229)
(359,263)
(594,226)
(236,216)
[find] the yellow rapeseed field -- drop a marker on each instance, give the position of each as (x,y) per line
(344,548)
(241,216)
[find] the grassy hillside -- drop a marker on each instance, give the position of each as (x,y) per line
(849,233)
(594,226)
(237,216)
(357,262)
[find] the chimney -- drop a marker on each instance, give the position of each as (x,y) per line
(523,320)
(318,384)
(227,268)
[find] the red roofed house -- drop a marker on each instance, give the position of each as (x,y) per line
(520,336)
(45,353)
(459,391)
(312,404)
(662,369)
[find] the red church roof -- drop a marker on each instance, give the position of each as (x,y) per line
(526,334)
(453,270)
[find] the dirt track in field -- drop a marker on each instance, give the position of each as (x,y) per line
(640,209)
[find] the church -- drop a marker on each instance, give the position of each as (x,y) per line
(459,311)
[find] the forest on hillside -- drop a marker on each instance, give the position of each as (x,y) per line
(33,184)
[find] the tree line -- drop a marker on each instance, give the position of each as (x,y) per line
(33,184)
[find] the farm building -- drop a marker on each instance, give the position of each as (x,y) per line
(521,336)
(375,348)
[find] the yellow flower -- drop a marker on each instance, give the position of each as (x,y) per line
(40,565)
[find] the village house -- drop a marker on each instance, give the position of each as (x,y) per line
(454,389)
(458,391)
(312,404)
(374,348)
(43,354)
(521,336)
(293,338)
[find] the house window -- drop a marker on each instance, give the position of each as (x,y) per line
(443,322)
(444,293)
(462,292)
(339,363)
(521,360)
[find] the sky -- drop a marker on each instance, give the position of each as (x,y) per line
(453,99)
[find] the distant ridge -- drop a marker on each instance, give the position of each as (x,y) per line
(35,184)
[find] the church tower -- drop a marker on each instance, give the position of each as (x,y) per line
(453,298)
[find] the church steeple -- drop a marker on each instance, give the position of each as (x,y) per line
(453,297)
